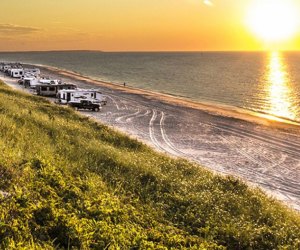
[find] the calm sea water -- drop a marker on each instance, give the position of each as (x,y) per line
(263,82)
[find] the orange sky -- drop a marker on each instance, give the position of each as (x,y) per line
(128,25)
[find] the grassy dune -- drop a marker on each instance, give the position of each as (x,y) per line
(68,182)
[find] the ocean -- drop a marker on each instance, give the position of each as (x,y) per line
(264,82)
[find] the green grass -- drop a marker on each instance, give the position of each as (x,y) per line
(69,182)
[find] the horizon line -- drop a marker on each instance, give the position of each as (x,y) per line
(140,51)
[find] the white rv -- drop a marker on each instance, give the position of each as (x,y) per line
(2,65)
(52,89)
(16,73)
(30,82)
(25,75)
(76,95)
(49,81)
(34,71)
(6,67)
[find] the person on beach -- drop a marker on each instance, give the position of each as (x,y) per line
(124,84)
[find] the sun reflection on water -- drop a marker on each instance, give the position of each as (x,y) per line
(279,89)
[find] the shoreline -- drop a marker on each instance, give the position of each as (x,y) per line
(212,108)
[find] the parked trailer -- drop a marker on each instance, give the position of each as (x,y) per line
(34,71)
(52,89)
(66,96)
(26,75)
(49,81)
(6,67)
(30,82)
(16,73)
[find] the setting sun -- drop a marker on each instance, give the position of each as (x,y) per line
(273,21)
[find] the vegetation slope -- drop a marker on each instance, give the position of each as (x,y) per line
(69,182)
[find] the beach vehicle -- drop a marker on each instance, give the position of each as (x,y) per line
(76,95)
(52,89)
(16,73)
(1,66)
(25,75)
(33,71)
(30,82)
(6,67)
(49,81)
(85,104)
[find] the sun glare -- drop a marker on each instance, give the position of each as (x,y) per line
(273,20)
(280,92)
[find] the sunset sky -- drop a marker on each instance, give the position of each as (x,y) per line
(134,25)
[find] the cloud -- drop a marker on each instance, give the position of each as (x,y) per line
(208,3)
(12,29)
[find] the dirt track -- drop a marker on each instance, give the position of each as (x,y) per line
(263,155)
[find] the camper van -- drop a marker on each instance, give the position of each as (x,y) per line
(34,71)
(49,81)
(6,67)
(52,89)
(76,95)
(25,75)
(30,82)
(16,73)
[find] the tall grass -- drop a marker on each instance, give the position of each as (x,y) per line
(69,182)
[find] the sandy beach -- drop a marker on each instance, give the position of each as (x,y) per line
(261,151)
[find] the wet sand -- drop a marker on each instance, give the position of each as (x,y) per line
(261,151)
